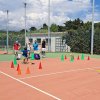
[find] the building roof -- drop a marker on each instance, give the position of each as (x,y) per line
(53,34)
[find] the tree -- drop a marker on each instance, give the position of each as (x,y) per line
(73,24)
(61,28)
(78,40)
(45,26)
(33,29)
(54,28)
(23,30)
(97,41)
(68,25)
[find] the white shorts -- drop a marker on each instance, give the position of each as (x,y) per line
(43,49)
(19,56)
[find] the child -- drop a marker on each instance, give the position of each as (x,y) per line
(35,46)
(29,48)
(25,55)
(19,56)
(16,48)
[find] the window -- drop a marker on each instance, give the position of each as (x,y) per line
(39,40)
(46,40)
(30,40)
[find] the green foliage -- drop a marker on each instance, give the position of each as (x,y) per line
(73,24)
(54,28)
(97,41)
(79,39)
(45,26)
(33,29)
(39,31)
(61,28)
(22,31)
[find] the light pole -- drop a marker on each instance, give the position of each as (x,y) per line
(49,37)
(25,4)
(7,31)
(92,33)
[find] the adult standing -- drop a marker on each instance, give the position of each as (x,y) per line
(35,46)
(29,48)
(43,46)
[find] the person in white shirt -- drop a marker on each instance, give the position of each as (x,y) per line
(29,48)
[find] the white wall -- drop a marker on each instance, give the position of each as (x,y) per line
(53,44)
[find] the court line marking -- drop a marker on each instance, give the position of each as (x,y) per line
(67,71)
(33,87)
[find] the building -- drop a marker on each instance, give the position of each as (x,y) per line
(57,44)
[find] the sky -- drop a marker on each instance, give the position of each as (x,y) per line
(37,12)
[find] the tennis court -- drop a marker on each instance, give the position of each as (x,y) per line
(55,80)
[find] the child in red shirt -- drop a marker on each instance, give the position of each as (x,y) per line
(16,47)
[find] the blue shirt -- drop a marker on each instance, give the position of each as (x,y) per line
(35,46)
(25,53)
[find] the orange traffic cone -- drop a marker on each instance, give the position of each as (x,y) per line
(88,58)
(65,57)
(27,70)
(78,58)
(40,65)
(12,64)
(19,71)
(18,67)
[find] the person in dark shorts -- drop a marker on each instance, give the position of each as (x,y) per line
(25,55)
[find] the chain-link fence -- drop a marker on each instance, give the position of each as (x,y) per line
(3,44)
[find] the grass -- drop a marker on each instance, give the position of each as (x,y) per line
(54,55)
(49,55)
(6,57)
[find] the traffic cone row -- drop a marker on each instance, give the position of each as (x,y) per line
(40,65)
(27,70)
(72,58)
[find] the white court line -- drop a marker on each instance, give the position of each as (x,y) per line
(46,93)
(59,73)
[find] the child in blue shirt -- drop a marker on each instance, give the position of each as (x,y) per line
(25,55)
(35,46)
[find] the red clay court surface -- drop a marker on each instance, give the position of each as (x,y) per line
(57,80)
(2,52)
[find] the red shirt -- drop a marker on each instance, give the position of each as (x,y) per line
(16,46)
